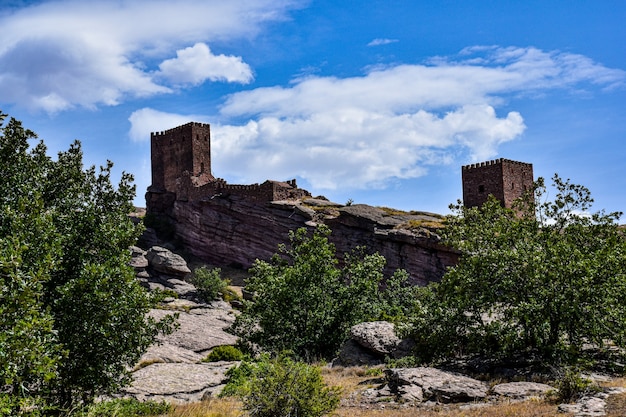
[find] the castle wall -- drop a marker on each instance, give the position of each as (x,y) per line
(504,179)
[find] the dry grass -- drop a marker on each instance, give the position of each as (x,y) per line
(525,409)
(218,407)
(357,378)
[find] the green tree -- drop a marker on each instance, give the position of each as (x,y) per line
(305,303)
(67,287)
(545,277)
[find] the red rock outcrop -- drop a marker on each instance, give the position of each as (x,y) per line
(230,230)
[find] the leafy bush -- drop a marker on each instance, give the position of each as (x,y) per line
(127,407)
(283,387)
(209,283)
(572,386)
(304,303)
(224,353)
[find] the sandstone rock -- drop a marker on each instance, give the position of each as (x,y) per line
(353,354)
(377,336)
(201,329)
(436,385)
(520,390)
(233,231)
(167,262)
(585,407)
(370,343)
(148,238)
(168,353)
(180,287)
(178,382)
(138,258)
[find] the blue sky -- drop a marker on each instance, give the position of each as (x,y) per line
(380,102)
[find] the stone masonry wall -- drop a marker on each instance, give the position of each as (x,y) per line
(504,179)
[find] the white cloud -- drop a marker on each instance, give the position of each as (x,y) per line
(381,41)
(391,123)
(147,120)
(196,64)
(62,54)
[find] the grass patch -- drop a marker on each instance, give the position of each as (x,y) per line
(392,212)
(125,407)
(422,224)
(215,407)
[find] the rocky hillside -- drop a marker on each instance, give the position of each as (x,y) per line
(228,230)
(173,369)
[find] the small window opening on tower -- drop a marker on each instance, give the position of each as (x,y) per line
(512,186)
(481,189)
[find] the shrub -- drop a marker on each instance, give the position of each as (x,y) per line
(209,283)
(283,387)
(224,353)
(126,407)
(572,385)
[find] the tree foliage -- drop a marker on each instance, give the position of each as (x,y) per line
(305,303)
(546,278)
(72,315)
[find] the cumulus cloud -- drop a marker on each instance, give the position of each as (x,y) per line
(391,123)
(145,121)
(381,41)
(196,64)
(67,53)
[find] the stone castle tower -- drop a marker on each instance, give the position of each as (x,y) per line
(185,148)
(504,179)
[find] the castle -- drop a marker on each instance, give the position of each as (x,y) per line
(181,170)
(506,180)
(233,225)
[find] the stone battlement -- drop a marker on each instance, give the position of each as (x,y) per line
(492,162)
(181,128)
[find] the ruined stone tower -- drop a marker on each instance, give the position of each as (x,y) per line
(185,148)
(504,179)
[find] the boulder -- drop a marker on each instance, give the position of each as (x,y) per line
(165,261)
(200,329)
(370,343)
(353,354)
(178,382)
(435,385)
(519,390)
(377,336)
(168,353)
(138,258)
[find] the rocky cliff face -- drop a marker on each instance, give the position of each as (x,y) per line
(233,231)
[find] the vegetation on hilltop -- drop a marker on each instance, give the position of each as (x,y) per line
(546,278)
